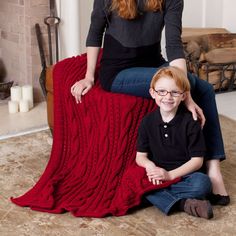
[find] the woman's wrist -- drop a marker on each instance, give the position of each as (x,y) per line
(89,77)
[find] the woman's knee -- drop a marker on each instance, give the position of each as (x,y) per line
(203,87)
(201,184)
(209,89)
(200,87)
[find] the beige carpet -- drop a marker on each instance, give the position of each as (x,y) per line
(22,160)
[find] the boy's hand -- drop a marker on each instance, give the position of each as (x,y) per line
(151,169)
(158,175)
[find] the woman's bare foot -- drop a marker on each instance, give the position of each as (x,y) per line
(219,194)
(213,171)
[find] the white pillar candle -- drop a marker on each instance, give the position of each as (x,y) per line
(27,94)
(16,93)
(12,107)
(24,105)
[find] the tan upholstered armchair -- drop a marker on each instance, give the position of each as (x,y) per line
(49,96)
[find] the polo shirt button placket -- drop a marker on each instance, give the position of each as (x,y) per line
(165,127)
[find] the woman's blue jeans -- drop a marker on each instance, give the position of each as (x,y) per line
(196,185)
(136,81)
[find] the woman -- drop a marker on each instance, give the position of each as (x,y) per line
(132,54)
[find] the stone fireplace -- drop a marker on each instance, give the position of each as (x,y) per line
(18,45)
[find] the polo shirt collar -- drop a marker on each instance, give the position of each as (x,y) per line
(175,120)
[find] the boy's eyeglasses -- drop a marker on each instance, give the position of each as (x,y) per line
(163,92)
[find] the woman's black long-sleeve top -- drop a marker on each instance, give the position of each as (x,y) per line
(137,42)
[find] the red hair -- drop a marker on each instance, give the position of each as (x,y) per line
(127,9)
(174,73)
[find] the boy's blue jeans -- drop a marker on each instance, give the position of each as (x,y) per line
(136,81)
(196,185)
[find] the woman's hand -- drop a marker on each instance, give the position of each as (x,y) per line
(194,109)
(81,87)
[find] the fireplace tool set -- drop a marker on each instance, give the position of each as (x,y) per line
(52,22)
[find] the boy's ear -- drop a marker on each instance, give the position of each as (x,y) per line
(152,93)
(184,96)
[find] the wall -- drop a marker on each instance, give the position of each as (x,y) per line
(75,20)
(18,45)
(210,13)
(69,28)
(85,11)
(229,15)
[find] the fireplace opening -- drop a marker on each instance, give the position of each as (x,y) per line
(4,86)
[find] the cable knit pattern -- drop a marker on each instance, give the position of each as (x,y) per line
(92,170)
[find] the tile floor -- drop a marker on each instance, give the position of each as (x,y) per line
(226,103)
(36,119)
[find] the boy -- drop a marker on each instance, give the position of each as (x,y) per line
(170,145)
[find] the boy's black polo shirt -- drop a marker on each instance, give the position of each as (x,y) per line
(171,144)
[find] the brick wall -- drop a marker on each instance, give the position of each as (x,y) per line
(18,44)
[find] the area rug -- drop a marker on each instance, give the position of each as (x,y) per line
(23,159)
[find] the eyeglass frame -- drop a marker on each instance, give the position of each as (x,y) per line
(172,93)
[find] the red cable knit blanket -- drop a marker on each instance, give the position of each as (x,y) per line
(92,170)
